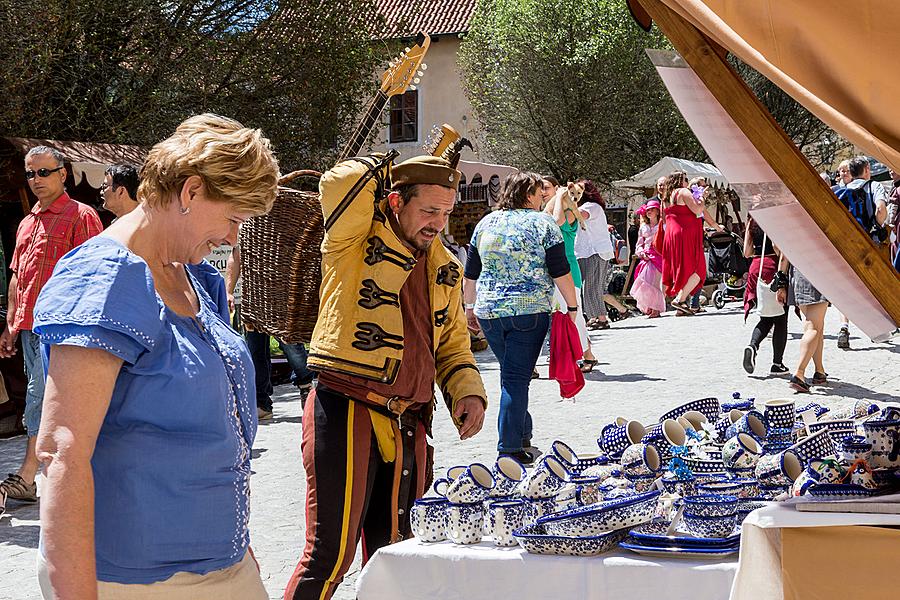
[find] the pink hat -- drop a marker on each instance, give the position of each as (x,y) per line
(642,210)
(651,204)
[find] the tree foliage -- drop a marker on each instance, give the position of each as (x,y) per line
(564,87)
(130,71)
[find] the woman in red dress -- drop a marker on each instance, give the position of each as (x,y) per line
(684,264)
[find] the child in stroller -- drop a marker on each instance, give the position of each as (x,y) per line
(726,259)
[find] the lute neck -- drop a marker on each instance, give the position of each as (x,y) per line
(364,128)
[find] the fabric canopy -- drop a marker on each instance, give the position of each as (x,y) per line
(647,178)
(88,160)
(834,57)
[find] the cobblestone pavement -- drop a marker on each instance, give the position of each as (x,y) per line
(646,367)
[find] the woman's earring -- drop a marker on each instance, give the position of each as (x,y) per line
(185,210)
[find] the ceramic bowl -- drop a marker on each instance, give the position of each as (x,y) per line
(596,519)
(701,466)
(831,425)
(536,540)
(711,505)
(748,506)
(644,482)
(709,527)
(740,488)
(672,485)
(708,406)
(770,492)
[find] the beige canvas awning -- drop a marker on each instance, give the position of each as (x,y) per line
(88,160)
(834,57)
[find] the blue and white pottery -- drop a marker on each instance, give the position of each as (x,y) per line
(602,471)
(725,421)
(700,466)
(454,472)
(741,452)
(831,425)
(428,519)
(827,470)
(806,480)
(596,519)
(818,409)
(779,469)
(839,435)
(440,486)
(506,516)
(749,473)
(465,522)
(673,485)
(472,485)
(863,479)
(641,459)
(541,507)
(751,423)
(507,473)
(719,526)
(696,418)
(883,432)
(741,488)
(708,406)
(838,491)
(643,482)
(547,478)
(744,509)
(771,491)
(656,532)
(711,505)
(673,434)
(536,540)
(706,477)
(780,413)
(743,405)
(565,454)
(817,445)
(616,439)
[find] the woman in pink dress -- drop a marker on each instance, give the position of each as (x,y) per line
(647,287)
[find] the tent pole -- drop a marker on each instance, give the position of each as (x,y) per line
(709,62)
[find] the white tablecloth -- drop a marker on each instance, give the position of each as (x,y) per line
(483,571)
(759,572)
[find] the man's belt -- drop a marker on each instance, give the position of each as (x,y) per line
(391,406)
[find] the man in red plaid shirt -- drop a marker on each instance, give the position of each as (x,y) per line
(54,226)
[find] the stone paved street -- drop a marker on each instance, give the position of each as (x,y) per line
(646,367)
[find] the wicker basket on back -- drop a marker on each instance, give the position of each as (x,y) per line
(282,267)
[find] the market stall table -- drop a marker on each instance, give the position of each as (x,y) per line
(787,554)
(411,569)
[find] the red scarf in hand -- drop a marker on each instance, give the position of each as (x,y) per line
(565,352)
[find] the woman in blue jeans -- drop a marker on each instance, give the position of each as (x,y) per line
(516,255)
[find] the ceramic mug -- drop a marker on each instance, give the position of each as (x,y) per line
(428,519)
(641,459)
(615,439)
(505,517)
(454,472)
(644,482)
(472,485)
(725,421)
(752,422)
(826,470)
(817,445)
(779,469)
(547,478)
(440,486)
(741,452)
(855,447)
(465,522)
(780,413)
(696,419)
(665,435)
(883,432)
(508,473)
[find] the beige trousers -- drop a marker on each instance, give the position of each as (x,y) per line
(238,582)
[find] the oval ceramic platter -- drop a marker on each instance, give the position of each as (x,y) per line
(535,540)
(654,534)
(674,552)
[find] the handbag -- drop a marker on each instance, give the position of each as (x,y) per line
(767,304)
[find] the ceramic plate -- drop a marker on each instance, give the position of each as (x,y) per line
(535,540)
(662,552)
(838,491)
(654,534)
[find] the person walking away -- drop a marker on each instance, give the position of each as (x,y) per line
(119,189)
(55,225)
(516,255)
(148,419)
(647,287)
(390,326)
(764,262)
(563,207)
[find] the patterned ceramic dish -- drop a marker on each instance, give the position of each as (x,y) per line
(595,519)
(710,527)
(535,540)
(655,534)
(699,465)
(745,508)
(818,445)
(669,552)
(832,425)
(711,505)
(838,491)
(708,406)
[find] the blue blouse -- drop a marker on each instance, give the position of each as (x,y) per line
(172,461)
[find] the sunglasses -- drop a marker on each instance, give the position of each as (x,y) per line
(41,172)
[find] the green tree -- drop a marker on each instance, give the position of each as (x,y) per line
(564,87)
(129,71)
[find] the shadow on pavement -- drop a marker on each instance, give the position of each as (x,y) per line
(11,452)
(626,378)
(24,536)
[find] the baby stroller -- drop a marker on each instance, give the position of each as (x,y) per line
(726,259)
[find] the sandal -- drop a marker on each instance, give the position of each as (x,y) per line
(16,489)
(588,364)
(682,307)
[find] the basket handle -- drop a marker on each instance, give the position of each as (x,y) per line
(295,174)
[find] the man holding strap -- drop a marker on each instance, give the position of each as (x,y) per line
(390,326)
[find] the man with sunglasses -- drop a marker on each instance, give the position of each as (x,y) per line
(55,225)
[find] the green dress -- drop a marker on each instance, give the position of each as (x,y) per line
(569,230)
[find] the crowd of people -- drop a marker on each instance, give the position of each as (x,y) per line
(143,400)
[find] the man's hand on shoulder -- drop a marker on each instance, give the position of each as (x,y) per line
(470,411)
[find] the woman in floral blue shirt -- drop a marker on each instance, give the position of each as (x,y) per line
(516,255)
